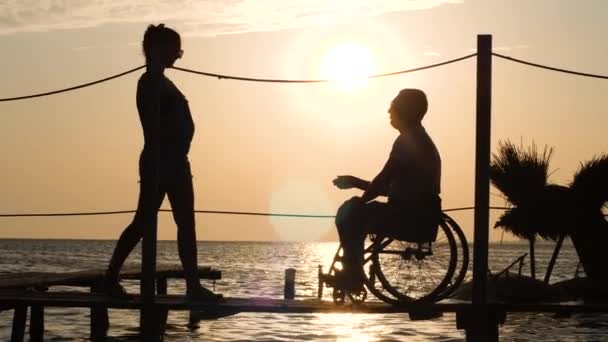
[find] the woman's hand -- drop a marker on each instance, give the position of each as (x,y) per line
(347,182)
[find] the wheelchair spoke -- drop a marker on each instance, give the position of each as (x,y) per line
(416,270)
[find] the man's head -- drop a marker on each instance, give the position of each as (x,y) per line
(408,108)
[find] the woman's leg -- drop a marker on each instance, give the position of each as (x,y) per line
(127,241)
(149,201)
(181,196)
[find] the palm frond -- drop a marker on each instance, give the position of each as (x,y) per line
(590,184)
(515,221)
(553,214)
(520,173)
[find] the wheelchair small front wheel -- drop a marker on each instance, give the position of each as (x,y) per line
(357,297)
(339,295)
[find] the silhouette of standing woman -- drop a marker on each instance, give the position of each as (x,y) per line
(163,165)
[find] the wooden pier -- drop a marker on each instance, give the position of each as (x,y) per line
(32,290)
(20,291)
(99,303)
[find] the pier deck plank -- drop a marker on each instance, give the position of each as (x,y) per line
(235,305)
(89,277)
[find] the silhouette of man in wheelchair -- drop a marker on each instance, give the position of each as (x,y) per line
(410,179)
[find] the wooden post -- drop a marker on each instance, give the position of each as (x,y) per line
(558,246)
(289,290)
(161,287)
(149,316)
(19,318)
(320,285)
(480,331)
(37,323)
(100,321)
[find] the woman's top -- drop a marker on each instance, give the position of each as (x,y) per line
(176,126)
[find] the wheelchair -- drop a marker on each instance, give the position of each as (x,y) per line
(404,270)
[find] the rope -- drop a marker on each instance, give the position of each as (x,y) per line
(472,208)
(72,88)
(205,212)
(549,67)
(268,80)
(219,76)
(253,79)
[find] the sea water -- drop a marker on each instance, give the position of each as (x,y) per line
(256,269)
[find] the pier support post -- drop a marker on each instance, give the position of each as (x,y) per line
(161,288)
(465,320)
(149,328)
(479,331)
(289,291)
(19,318)
(100,321)
(149,315)
(37,323)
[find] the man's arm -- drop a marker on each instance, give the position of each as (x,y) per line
(379,186)
(349,182)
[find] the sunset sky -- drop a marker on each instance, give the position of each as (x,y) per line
(276,147)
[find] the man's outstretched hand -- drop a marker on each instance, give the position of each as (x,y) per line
(348,182)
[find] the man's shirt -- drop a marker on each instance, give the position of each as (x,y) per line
(418,174)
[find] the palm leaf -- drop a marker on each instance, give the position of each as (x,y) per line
(553,214)
(515,221)
(520,173)
(590,184)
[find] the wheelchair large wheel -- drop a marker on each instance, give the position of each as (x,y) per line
(415,271)
(373,284)
(462,263)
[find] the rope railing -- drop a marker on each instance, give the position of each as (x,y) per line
(270,80)
(239,78)
(546,67)
(72,88)
(252,213)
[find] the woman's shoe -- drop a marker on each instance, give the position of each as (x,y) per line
(113,289)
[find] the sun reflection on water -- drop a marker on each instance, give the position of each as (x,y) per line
(348,327)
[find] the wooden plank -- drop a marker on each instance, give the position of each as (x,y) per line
(178,302)
(89,277)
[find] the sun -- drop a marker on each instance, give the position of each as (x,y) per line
(348,65)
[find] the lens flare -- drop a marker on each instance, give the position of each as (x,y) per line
(301,197)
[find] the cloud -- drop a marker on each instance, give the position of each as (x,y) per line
(200,17)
